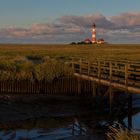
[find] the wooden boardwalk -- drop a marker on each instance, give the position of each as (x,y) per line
(120,75)
(123,75)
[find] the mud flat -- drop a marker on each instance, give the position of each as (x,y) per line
(23,107)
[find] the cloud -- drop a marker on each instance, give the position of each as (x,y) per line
(87,21)
(118,28)
(127,19)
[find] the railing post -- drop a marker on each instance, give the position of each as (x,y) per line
(80,65)
(88,68)
(99,70)
(110,71)
(130,111)
(126,76)
(93,89)
(129,98)
(110,99)
(110,88)
(73,64)
(99,86)
(79,86)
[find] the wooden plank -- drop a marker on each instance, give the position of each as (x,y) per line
(133,73)
(135,90)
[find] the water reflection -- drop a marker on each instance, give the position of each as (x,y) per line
(66,131)
(89,121)
(37,134)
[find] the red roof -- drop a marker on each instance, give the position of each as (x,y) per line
(101,39)
(87,40)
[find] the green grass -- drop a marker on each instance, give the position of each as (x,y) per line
(107,51)
(21,62)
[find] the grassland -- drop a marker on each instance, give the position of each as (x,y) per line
(38,62)
(107,51)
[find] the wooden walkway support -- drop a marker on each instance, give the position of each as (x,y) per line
(121,75)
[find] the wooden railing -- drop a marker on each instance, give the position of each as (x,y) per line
(120,74)
(61,86)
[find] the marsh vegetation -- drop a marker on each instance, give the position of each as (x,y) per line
(38,62)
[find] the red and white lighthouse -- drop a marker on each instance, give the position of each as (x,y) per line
(94,33)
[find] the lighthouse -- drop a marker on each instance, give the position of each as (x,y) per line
(94,33)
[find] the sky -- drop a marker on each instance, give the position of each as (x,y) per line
(65,21)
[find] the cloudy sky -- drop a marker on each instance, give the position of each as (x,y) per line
(64,21)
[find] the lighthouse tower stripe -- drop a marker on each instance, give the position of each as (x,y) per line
(94,33)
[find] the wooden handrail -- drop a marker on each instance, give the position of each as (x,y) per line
(125,73)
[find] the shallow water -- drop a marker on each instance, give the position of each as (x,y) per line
(63,121)
(36,134)
(64,130)
(136,121)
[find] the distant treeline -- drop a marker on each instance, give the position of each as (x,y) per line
(80,43)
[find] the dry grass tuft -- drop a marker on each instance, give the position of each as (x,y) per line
(120,133)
